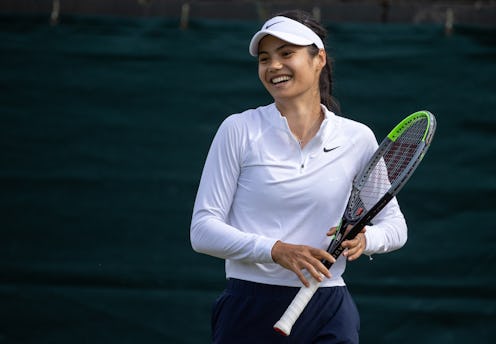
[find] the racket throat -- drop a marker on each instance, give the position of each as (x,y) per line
(335,247)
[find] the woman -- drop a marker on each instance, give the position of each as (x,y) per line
(275,180)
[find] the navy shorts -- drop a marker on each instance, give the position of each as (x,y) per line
(246,311)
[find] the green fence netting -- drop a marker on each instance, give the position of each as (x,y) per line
(104,127)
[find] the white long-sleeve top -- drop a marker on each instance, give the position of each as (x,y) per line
(258,186)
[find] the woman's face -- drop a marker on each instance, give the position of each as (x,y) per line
(288,71)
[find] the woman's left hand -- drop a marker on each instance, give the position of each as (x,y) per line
(353,247)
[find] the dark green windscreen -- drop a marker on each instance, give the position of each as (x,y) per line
(104,127)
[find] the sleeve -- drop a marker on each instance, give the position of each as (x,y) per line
(210,233)
(388,232)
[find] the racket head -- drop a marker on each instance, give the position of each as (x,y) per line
(392,165)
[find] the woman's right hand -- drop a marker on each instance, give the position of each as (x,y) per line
(301,257)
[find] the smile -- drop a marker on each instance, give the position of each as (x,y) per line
(279,79)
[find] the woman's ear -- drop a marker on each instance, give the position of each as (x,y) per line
(322,58)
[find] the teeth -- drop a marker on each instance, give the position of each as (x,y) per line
(280,79)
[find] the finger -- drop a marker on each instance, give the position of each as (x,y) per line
(355,249)
(302,278)
(322,255)
(350,246)
(354,255)
(316,274)
(332,231)
(323,270)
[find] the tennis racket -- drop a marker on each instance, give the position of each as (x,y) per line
(387,171)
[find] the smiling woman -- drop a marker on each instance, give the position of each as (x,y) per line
(298,28)
(275,182)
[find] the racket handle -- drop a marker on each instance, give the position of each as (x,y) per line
(285,324)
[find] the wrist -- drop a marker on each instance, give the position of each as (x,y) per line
(273,252)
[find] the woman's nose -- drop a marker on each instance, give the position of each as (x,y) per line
(275,65)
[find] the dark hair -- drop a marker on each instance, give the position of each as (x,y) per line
(325,82)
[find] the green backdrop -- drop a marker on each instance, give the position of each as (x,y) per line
(105,124)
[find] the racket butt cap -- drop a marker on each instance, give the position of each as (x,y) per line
(279,328)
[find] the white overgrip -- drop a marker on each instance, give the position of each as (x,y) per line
(285,324)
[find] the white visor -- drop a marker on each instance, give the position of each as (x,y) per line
(288,30)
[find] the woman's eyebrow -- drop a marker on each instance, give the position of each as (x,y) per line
(286,45)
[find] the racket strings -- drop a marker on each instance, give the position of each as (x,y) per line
(404,149)
(387,170)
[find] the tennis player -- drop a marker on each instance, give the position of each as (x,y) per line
(275,180)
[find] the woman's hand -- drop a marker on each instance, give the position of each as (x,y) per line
(300,257)
(353,247)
